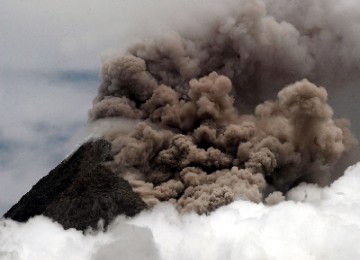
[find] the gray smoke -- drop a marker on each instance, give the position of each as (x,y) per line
(209,132)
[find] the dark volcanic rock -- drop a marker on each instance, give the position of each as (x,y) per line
(80,191)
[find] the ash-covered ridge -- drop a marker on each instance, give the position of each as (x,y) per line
(198,146)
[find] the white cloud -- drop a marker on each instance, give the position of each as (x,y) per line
(326,228)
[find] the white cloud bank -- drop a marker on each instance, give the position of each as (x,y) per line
(316,224)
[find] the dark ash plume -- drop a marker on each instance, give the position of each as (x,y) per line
(196,146)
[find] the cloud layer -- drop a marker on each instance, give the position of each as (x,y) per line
(315,223)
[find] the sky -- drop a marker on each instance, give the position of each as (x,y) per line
(51,54)
(45,92)
(50,59)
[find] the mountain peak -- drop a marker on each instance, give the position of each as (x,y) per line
(80,191)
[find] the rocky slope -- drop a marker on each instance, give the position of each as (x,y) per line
(80,191)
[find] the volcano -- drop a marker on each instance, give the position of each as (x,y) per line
(80,192)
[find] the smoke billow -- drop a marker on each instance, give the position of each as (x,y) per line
(212,128)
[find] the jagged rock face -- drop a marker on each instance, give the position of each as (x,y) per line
(80,191)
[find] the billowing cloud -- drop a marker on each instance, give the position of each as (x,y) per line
(198,146)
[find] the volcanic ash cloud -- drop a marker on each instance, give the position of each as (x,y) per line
(196,144)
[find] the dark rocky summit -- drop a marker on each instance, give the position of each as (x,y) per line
(80,191)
